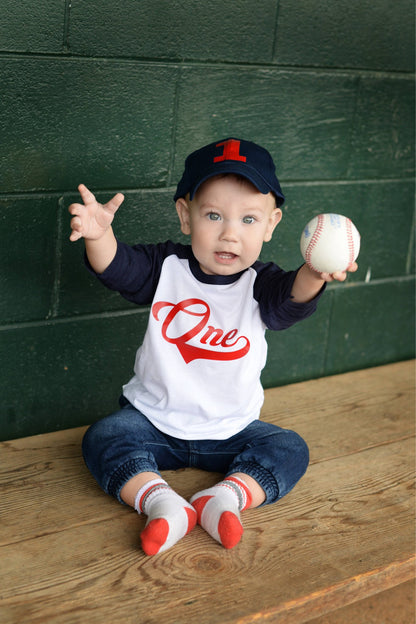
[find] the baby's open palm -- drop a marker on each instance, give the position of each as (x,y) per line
(91,219)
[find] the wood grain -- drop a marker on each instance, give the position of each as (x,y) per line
(70,554)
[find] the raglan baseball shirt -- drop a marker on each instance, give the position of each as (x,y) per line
(197,372)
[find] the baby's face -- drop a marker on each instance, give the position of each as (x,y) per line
(228,221)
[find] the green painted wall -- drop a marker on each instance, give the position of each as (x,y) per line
(116,93)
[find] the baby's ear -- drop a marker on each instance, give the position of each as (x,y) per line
(274,219)
(183,211)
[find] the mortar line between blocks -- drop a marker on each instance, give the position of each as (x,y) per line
(67,19)
(79,318)
(174,127)
(328,332)
(57,262)
(411,251)
(276,24)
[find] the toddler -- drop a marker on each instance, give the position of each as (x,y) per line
(195,396)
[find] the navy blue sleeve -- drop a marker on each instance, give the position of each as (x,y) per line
(272,291)
(135,270)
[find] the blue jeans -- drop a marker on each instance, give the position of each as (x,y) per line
(126,443)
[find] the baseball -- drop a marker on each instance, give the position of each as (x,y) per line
(330,243)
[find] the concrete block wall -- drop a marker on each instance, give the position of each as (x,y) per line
(116,94)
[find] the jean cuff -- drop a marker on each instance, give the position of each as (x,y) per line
(126,471)
(264,478)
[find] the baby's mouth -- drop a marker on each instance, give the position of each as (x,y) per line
(225,258)
(224,255)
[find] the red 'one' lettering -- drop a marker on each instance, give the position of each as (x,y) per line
(198,312)
(231,151)
(228,337)
(214,334)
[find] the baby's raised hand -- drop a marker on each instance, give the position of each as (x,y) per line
(91,219)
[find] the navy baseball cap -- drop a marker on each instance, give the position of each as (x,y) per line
(230,156)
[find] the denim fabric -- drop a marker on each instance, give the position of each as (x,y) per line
(124,444)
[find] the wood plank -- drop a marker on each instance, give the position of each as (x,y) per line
(70,553)
(308,553)
(336,596)
(330,412)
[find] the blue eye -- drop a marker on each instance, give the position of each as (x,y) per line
(214,216)
(248,220)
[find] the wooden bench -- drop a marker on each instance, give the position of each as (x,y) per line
(70,554)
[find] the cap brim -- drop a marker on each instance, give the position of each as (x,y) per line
(247,172)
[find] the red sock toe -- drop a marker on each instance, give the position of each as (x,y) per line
(154,536)
(229,529)
(219,507)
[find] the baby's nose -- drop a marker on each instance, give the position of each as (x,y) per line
(229,231)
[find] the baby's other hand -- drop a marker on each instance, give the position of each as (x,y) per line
(339,276)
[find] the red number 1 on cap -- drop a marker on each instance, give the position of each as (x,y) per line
(231,151)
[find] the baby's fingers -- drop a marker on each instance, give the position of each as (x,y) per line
(75,236)
(86,195)
(76,227)
(76,209)
(114,204)
(339,276)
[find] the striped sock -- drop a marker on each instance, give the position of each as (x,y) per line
(170,517)
(219,507)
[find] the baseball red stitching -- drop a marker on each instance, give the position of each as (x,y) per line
(314,240)
(350,241)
